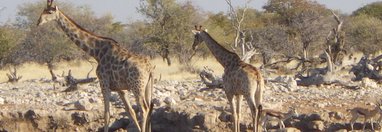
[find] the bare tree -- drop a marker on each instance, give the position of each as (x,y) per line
(335,42)
(247,48)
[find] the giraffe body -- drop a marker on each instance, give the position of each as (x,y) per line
(118,70)
(239,79)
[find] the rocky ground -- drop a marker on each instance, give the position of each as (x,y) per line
(39,105)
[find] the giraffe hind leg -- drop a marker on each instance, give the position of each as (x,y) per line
(252,106)
(129,109)
(239,98)
(143,104)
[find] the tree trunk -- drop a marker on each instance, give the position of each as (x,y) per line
(72,83)
(50,68)
(329,62)
(305,53)
(12,76)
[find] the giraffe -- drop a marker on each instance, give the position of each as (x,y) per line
(118,70)
(239,78)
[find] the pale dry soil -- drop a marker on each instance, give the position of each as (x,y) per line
(34,104)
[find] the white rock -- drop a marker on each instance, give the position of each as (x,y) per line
(368,83)
(169,101)
(370,67)
(2,101)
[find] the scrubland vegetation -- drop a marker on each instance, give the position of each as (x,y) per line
(317,59)
(297,29)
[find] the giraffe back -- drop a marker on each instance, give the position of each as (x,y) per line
(244,79)
(124,70)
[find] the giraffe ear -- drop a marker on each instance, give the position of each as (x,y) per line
(195,31)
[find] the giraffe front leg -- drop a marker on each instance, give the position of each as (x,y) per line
(106,99)
(233,111)
(129,109)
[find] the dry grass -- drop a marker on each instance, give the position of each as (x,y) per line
(176,72)
(81,68)
(29,71)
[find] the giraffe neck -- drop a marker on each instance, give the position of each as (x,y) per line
(92,44)
(225,57)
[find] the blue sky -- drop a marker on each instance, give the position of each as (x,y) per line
(125,10)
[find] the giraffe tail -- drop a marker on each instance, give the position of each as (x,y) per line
(148,94)
(259,98)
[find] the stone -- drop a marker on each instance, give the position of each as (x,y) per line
(156,102)
(95,100)
(291,84)
(30,115)
(336,115)
(342,130)
(288,82)
(79,118)
(206,120)
(292,129)
(169,101)
(370,67)
(368,83)
(115,97)
(2,101)
(41,94)
(316,125)
(83,104)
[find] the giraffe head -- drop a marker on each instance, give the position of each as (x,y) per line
(198,39)
(50,13)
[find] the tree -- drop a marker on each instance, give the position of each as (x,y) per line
(48,44)
(373,9)
(237,17)
(364,33)
(306,20)
(336,43)
(168,26)
(307,24)
(220,27)
(9,38)
(272,41)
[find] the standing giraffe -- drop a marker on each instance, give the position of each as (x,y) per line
(118,70)
(239,78)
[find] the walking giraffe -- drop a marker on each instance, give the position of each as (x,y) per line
(239,78)
(118,70)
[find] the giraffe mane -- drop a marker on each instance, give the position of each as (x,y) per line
(83,29)
(222,46)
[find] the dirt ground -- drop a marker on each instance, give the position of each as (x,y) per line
(33,104)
